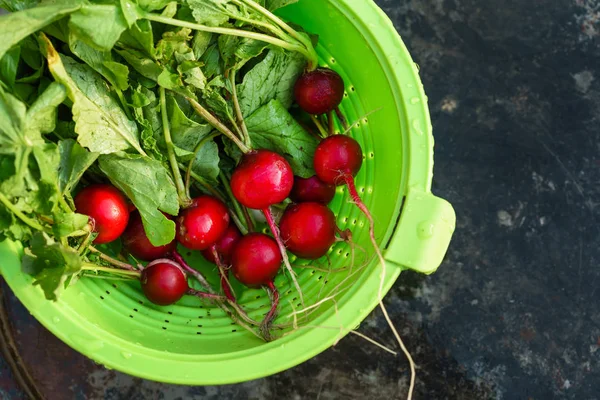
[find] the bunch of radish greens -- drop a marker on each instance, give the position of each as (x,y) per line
(127,128)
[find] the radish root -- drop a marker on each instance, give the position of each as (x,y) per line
(349,179)
(286,260)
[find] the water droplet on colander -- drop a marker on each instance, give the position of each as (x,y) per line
(137,333)
(410,85)
(88,344)
(415,100)
(56,320)
(126,355)
(416,124)
(425,230)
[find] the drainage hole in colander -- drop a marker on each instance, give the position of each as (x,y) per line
(102,297)
(113,285)
(347,255)
(365,121)
(107,292)
(141,302)
(332,60)
(352,88)
(234,330)
(135,309)
(201,316)
(257,297)
(199,326)
(371,155)
(198,333)
(354,222)
(325,282)
(288,292)
(339,251)
(320,277)
(294,299)
(167,321)
(164,328)
(130,316)
(170,312)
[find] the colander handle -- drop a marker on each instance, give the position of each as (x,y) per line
(423,233)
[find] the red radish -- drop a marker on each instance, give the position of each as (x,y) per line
(137,243)
(108,209)
(203,223)
(262,178)
(224,246)
(336,158)
(312,189)
(255,260)
(220,254)
(164,282)
(319,91)
(308,229)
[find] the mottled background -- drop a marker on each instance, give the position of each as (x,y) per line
(514,91)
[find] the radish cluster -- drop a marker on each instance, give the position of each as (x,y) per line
(262,179)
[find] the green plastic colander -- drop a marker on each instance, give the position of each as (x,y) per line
(195,344)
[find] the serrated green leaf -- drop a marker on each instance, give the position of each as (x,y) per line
(102,62)
(149,186)
(50,263)
(272,127)
(18,25)
(8,66)
(70,225)
(74,161)
(99,25)
(272,78)
(101,124)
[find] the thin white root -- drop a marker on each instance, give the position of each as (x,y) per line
(359,203)
(283,250)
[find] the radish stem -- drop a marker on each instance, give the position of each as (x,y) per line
(204,295)
(342,118)
(181,191)
(236,205)
(196,274)
(33,224)
(227,290)
(97,268)
(311,54)
(282,249)
(109,259)
(205,185)
(265,326)
(218,125)
(238,110)
(349,179)
(319,126)
(234,32)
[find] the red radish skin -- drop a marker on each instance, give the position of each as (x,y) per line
(136,242)
(255,260)
(262,178)
(203,223)
(164,282)
(308,229)
(312,189)
(108,209)
(336,157)
(319,91)
(220,255)
(224,246)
